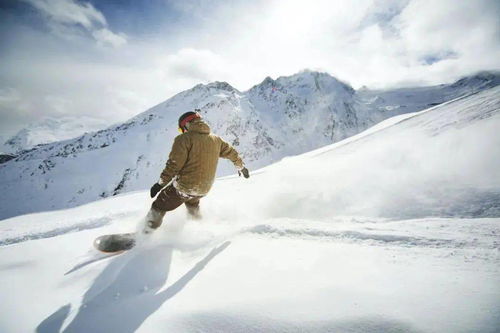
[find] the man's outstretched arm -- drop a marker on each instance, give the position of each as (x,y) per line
(227,151)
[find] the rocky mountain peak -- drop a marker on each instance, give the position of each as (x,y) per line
(218,85)
(305,82)
(221,85)
(484,79)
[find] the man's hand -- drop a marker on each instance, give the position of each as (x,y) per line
(155,189)
(244,172)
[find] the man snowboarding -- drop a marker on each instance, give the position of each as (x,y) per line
(190,170)
(187,177)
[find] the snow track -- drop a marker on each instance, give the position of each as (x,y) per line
(479,234)
(353,236)
(57,232)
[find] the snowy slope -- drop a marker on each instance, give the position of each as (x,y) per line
(393,230)
(50,130)
(273,120)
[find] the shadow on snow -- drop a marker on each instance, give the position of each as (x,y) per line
(124,295)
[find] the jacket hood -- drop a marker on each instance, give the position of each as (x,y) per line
(199,126)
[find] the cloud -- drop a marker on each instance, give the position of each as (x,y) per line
(379,43)
(107,37)
(69,12)
(436,42)
(13,112)
(194,64)
(70,18)
(8,96)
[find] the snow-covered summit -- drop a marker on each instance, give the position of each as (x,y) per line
(481,80)
(306,84)
(311,80)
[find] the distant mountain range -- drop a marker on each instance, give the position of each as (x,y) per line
(49,130)
(272,120)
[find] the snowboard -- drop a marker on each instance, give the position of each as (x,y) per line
(115,242)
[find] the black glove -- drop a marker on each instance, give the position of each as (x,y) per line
(155,189)
(245,173)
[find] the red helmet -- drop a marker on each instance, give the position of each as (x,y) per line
(186,118)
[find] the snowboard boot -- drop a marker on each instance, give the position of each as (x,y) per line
(154,218)
(193,211)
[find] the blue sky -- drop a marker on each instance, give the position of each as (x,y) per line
(141,18)
(112,59)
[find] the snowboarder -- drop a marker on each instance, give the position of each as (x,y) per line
(190,169)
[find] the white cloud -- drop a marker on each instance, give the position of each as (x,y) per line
(70,17)
(13,101)
(57,104)
(107,37)
(436,41)
(9,95)
(194,64)
(69,12)
(372,42)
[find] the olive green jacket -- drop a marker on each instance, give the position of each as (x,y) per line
(192,162)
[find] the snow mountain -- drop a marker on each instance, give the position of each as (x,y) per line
(394,229)
(272,120)
(50,130)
